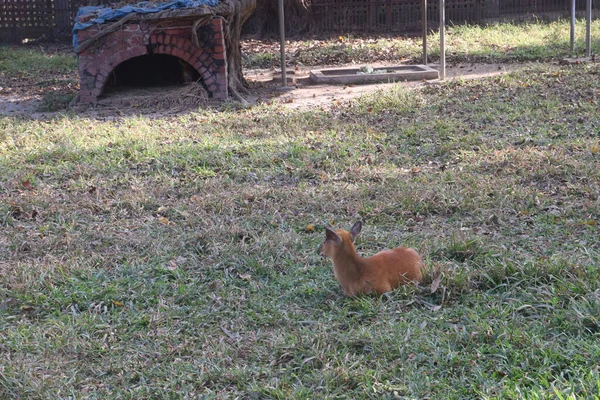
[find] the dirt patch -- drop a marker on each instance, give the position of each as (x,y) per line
(19,104)
(305,94)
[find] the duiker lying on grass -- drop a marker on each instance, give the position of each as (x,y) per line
(380,273)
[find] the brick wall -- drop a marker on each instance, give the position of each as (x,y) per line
(154,37)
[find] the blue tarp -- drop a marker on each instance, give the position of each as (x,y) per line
(104,14)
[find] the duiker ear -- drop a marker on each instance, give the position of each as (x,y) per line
(330,234)
(355,230)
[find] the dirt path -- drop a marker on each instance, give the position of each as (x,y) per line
(265,85)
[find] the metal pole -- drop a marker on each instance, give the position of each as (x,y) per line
(442,39)
(588,29)
(282,44)
(573,16)
(424,26)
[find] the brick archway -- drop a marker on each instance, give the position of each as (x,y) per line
(208,60)
(172,38)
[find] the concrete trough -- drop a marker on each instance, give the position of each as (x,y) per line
(578,60)
(345,76)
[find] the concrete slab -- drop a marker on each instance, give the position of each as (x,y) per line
(348,76)
(578,60)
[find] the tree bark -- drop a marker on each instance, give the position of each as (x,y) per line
(235,12)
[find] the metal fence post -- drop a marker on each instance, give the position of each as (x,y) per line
(442,39)
(424,28)
(282,44)
(573,17)
(588,29)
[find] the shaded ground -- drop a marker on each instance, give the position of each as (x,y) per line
(43,77)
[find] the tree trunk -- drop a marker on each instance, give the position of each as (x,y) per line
(264,22)
(235,12)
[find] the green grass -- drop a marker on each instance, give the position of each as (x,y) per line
(147,257)
(22,61)
(51,75)
(259,60)
(533,41)
(502,42)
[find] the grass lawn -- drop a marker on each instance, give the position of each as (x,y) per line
(504,42)
(173,257)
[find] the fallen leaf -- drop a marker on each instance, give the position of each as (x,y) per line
(246,277)
(162,210)
(310,228)
(435,284)
(172,265)
(432,307)
(27,185)
(184,214)
(164,221)
(118,303)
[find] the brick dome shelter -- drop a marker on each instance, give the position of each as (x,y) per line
(169,46)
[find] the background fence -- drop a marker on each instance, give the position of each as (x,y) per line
(53,19)
(388,15)
(405,15)
(20,19)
